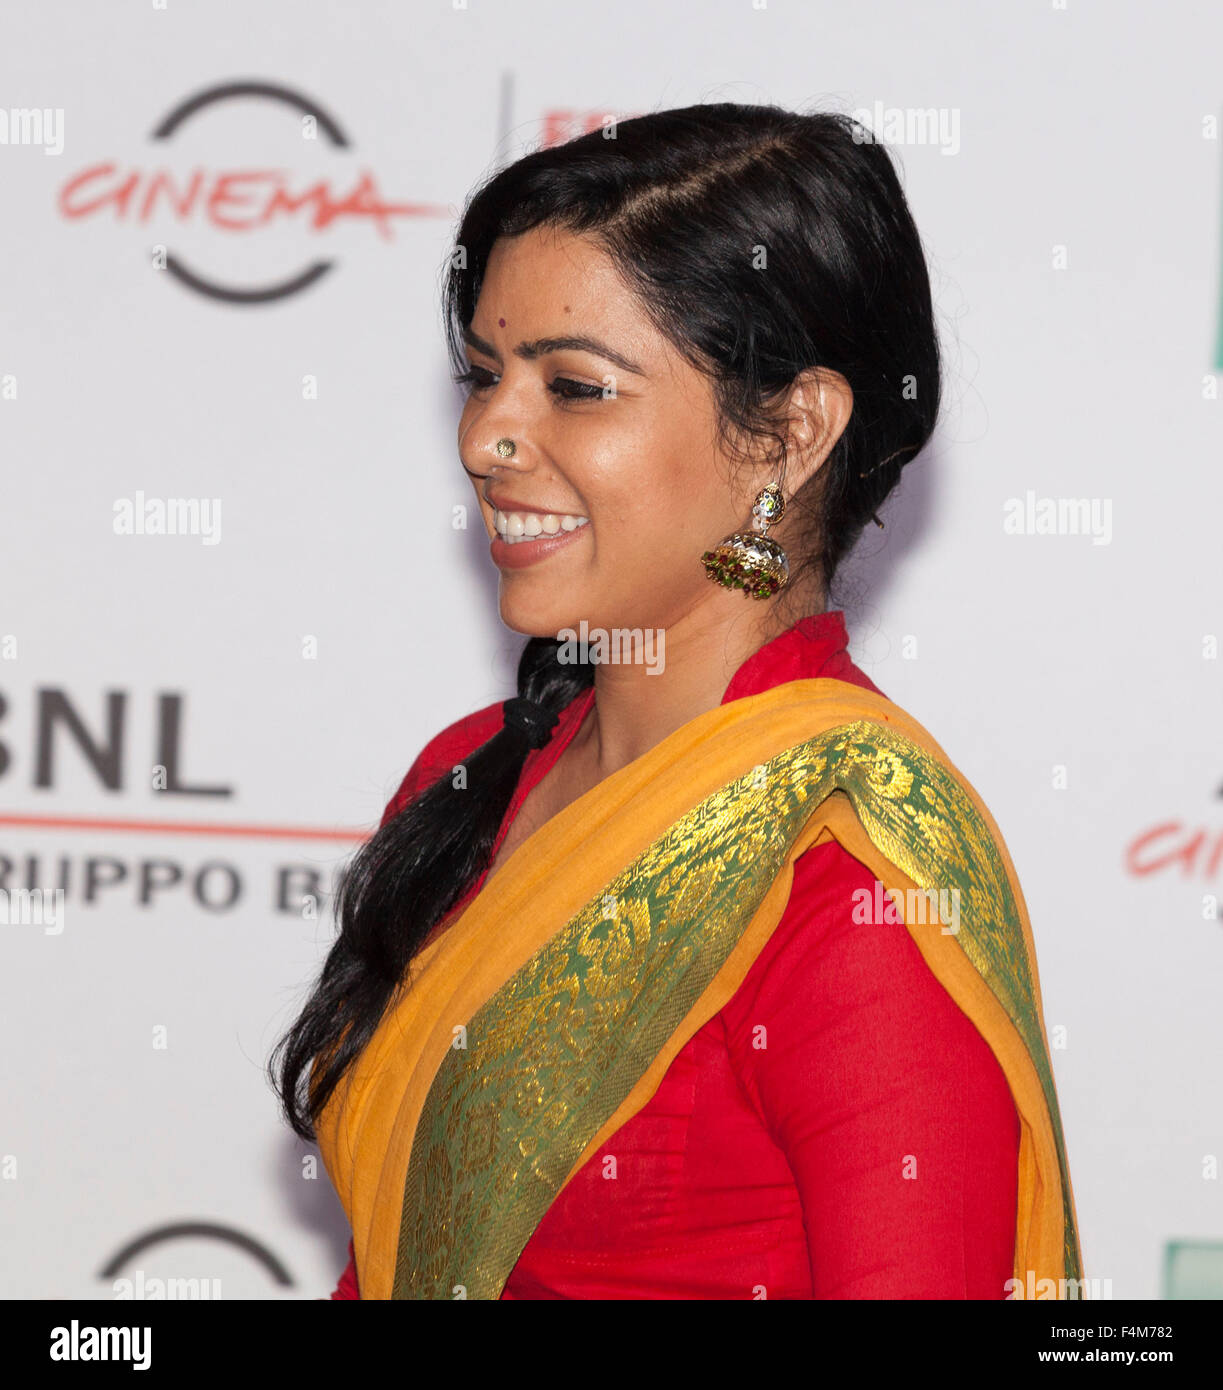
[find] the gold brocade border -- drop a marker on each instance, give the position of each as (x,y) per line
(544,1063)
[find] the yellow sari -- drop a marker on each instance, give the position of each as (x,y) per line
(546,1015)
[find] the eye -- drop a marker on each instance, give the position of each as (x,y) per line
(563,387)
(475,378)
(569,390)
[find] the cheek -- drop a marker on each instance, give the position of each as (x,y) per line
(658,528)
(645,475)
(652,489)
(675,502)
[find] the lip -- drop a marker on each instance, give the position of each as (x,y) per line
(507,504)
(516,557)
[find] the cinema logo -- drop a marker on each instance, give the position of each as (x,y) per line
(1196,851)
(235,200)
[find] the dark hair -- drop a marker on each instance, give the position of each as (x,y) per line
(760,242)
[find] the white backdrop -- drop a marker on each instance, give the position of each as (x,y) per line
(1073,230)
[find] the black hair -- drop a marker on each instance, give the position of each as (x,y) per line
(761,242)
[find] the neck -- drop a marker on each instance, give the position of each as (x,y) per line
(636,707)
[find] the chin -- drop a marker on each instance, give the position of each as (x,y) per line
(536,619)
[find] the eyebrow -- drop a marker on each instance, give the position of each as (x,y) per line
(529,351)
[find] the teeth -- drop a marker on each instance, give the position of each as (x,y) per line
(515,527)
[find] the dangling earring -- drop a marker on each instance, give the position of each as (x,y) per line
(749,560)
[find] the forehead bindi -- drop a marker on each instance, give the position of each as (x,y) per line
(501,322)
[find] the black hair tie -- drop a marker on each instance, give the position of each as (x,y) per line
(531,718)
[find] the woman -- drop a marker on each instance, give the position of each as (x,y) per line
(635,993)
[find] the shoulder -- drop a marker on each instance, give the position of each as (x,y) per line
(818,915)
(850,1010)
(835,952)
(455,742)
(840,667)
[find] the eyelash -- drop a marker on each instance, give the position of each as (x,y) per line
(581,390)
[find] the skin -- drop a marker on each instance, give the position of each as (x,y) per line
(645,467)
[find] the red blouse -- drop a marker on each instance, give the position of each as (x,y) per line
(869,1150)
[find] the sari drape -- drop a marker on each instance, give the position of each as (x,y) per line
(545,1016)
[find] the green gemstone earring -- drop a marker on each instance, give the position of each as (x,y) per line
(750,560)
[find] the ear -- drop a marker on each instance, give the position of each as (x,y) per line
(820,404)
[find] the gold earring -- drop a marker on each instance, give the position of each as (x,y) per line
(750,560)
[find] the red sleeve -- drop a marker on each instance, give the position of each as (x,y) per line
(347,1287)
(892,1111)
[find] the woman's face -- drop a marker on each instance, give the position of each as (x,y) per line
(617,429)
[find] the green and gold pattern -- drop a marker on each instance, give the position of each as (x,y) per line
(550,1057)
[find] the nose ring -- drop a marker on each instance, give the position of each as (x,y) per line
(506,448)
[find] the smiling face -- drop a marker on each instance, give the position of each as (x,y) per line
(620,431)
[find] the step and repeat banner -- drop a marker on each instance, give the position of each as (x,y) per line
(228,442)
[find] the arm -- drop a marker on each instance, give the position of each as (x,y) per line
(892,1111)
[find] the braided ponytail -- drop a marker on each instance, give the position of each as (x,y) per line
(402,882)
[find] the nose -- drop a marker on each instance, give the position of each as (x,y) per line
(493,450)
(497,429)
